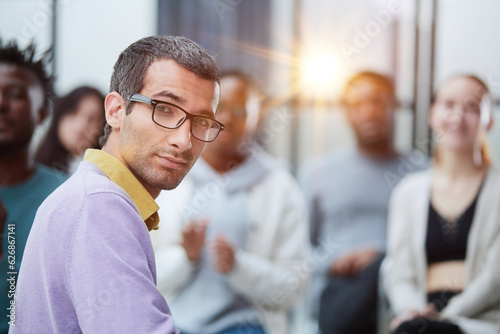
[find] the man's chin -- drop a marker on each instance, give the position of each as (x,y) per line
(170,186)
(375,140)
(173,180)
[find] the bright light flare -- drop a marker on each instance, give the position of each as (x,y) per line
(319,74)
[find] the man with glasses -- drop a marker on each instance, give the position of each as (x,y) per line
(89,264)
(232,258)
(171,116)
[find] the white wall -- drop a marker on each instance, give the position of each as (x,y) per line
(26,20)
(90,35)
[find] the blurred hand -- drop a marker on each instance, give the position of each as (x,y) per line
(398,320)
(352,263)
(428,312)
(193,238)
(223,254)
(3,220)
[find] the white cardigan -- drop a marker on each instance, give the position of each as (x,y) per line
(273,273)
(477,309)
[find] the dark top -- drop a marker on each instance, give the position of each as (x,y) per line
(447,240)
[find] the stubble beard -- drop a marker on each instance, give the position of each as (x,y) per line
(143,166)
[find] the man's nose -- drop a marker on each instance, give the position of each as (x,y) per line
(368,110)
(180,138)
(3,102)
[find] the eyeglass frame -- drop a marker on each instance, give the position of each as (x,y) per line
(448,108)
(136,97)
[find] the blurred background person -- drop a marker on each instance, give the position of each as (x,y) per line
(348,193)
(77,124)
(442,273)
(25,93)
(229,257)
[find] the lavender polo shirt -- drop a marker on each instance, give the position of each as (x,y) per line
(88,266)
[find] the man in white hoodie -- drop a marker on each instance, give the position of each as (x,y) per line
(231,259)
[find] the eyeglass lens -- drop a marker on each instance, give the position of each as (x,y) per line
(171,116)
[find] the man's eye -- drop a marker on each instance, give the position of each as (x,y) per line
(163,108)
(17,93)
(202,122)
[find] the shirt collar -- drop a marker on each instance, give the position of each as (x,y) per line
(124,178)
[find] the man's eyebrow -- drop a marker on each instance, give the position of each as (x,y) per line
(170,95)
(207,113)
(181,100)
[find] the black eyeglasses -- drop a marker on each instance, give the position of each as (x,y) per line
(170,116)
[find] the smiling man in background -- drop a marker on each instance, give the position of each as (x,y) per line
(89,264)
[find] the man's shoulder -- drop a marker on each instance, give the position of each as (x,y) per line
(332,163)
(95,181)
(87,181)
(89,193)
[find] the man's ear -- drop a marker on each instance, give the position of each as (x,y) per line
(42,115)
(114,109)
(490,124)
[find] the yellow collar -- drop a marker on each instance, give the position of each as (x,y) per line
(123,177)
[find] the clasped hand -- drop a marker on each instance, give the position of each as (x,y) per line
(193,242)
(428,312)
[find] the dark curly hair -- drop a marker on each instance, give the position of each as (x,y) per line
(11,53)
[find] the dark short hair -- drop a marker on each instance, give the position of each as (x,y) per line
(249,81)
(10,53)
(131,67)
(377,78)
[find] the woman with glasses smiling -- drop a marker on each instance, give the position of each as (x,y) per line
(442,273)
